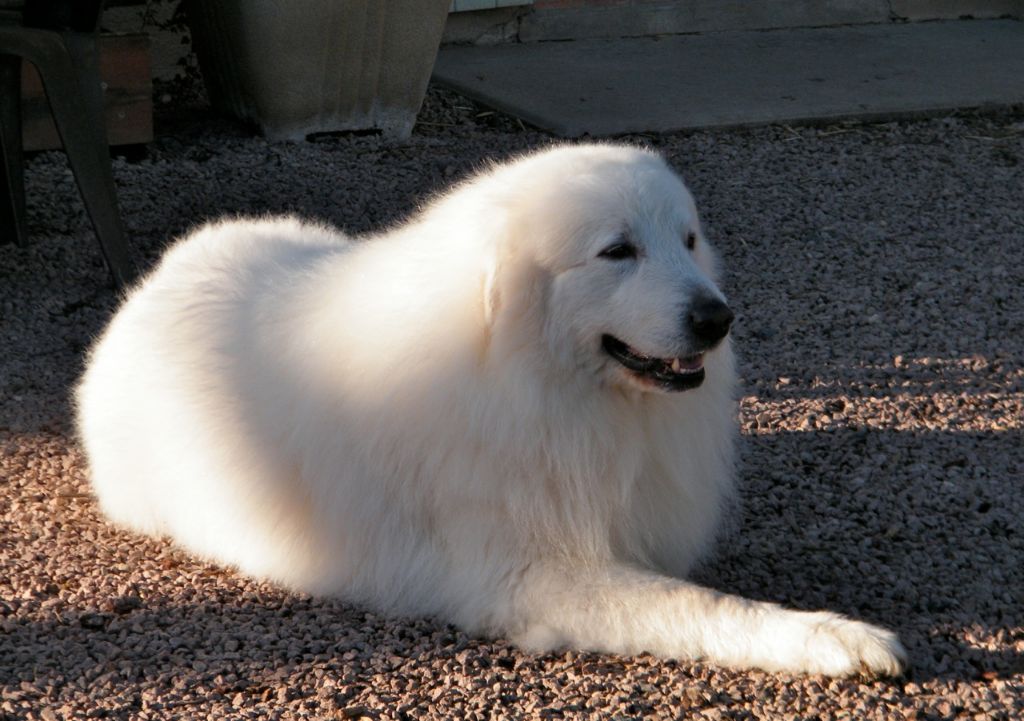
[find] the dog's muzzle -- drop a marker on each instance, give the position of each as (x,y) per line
(707,323)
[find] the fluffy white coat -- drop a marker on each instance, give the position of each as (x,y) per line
(426,422)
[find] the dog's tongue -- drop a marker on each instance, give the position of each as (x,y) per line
(693,363)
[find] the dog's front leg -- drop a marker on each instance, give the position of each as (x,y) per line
(628,610)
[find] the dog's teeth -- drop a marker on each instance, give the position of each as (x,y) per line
(675,365)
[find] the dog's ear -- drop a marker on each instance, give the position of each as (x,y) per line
(492,299)
(516,282)
(515,291)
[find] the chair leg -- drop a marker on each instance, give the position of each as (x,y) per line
(12,178)
(72,83)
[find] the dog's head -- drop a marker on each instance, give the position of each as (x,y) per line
(604,255)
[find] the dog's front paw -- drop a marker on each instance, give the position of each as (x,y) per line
(838,646)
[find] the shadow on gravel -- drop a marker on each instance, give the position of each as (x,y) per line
(917,531)
(196,654)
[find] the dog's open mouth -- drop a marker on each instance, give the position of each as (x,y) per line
(670,374)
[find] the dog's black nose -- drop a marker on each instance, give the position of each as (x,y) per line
(710,319)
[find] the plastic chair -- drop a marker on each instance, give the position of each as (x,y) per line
(60,39)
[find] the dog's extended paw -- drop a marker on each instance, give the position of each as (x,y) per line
(838,646)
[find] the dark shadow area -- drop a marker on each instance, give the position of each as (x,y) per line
(919,532)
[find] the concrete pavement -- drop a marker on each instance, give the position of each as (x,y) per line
(603,87)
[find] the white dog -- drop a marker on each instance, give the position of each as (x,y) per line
(514,412)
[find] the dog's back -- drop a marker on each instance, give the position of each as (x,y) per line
(166,435)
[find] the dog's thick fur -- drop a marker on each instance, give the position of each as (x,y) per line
(426,421)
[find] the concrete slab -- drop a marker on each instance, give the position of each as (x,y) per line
(607,87)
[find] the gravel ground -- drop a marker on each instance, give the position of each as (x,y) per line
(877,272)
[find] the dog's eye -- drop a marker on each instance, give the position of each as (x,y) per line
(691,240)
(618,251)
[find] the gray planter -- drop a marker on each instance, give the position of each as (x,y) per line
(296,67)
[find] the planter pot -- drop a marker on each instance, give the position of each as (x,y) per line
(313,66)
